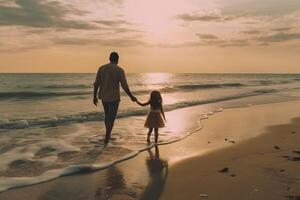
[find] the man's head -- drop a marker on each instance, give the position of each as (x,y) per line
(114,57)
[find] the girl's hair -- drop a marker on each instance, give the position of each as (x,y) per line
(155,99)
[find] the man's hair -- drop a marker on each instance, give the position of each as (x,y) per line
(114,57)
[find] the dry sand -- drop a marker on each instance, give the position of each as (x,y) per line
(265,167)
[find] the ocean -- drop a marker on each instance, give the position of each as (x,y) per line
(49,126)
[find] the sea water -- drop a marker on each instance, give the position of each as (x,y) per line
(49,126)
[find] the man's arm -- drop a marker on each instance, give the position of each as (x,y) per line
(125,86)
(96,87)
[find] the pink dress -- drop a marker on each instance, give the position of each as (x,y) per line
(154,119)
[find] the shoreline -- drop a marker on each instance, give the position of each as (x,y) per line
(137,172)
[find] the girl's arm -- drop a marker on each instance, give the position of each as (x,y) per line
(143,104)
(163,113)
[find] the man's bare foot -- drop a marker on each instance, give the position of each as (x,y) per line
(107,138)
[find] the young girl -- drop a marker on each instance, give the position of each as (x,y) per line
(156,117)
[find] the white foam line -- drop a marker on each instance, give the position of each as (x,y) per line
(17,182)
(93,116)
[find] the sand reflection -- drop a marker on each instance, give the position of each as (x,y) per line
(158,172)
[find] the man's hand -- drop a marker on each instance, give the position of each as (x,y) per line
(133,98)
(95,101)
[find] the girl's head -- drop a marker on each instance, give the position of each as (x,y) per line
(155,99)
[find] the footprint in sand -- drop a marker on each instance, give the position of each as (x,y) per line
(277,147)
(224,170)
(297,152)
(293,197)
(292,158)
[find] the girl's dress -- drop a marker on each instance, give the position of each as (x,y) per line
(154,119)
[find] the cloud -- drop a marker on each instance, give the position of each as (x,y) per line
(117,26)
(112,23)
(119,42)
(41,14)
(8,3)
(44,38)
(275,8)
(207,17)
(206,36)
(209,40)
(113,2)
(213,40)
(196,17)
(235,43)
(251,32)
(279,37)
(282,29)
(226,42)
(127,30)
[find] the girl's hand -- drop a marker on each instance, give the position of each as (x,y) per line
(139,103)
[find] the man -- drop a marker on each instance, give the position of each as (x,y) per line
(108,80)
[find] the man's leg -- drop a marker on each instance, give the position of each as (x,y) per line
(113,110)
(110,118)
(106,120)
(105,108)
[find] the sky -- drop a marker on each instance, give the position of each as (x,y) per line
(181,36)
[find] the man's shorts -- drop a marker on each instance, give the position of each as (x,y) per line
(110,110)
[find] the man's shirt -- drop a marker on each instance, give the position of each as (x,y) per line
(108,79)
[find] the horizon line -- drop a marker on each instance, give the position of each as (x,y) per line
(154,72)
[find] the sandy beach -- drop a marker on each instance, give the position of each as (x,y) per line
(264,167)
(240,153)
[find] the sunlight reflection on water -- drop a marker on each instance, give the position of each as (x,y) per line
(156,79)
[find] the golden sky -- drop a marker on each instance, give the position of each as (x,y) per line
(150,35)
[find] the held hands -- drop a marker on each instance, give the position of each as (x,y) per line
(133,98)
(139,103)
(95,100)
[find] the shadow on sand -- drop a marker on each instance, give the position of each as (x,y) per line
(158,172)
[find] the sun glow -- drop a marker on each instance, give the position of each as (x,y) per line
(155,17)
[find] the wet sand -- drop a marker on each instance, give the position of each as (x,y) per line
(242,153)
